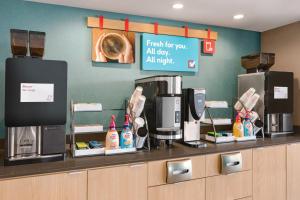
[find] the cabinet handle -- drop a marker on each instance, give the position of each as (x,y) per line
(75,173)
(180,170)
(137,165)
(231,163)
(293,144)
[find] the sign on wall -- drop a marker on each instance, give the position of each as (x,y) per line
(170,53)
(209,46)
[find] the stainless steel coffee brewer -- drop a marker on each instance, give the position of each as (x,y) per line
(35,105)
(275,106)
(162,107)
(192,107)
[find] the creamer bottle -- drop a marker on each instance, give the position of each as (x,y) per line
(112,136)
(126,135)
(248,126)
(238,129)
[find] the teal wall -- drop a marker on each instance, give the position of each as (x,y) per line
(68,38)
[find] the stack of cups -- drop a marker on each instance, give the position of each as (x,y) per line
(135,108)
(141,132)
(137,102)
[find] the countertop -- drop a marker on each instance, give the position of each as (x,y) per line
(177,151)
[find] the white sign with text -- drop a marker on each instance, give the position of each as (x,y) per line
(280,92)
(37,92)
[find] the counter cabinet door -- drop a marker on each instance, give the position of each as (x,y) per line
(75,186)
(188,190)
(116,183)
(229,187)
(213,162)
(62,186)
(293,171)
(269,173)
(48,187)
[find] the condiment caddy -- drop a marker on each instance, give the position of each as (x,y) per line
(247,123)
(214,136)
(81,148)
(133,137)
(251,125)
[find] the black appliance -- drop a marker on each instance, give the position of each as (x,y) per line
(35,110)
(275,106)
(192,106)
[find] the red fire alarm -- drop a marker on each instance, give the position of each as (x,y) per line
(209,46)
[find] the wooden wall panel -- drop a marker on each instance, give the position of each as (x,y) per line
(285,43)
(93,22)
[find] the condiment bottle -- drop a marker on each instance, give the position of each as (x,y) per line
(238,128)
(248,126)
(112,136)
(126,135)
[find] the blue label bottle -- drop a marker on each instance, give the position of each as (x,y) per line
(126,135)
(248,126)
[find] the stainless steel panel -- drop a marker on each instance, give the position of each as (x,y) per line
(279,123)
(256,81)
(273,123)
(39,140)
(25,140)
(231,163)
(170,110)
(180,170)
(174,136)
(16,158)
(287,122)
(176,85)
(11,141)
(168,129)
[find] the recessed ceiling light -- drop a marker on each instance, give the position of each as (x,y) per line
(238,16)
(178,6)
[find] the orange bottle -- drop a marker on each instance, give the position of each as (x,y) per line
(238,128)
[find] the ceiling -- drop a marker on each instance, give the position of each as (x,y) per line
(260,15)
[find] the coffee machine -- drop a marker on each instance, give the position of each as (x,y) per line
(35,106)
(35,110)
(275,105)
(192,107)
(162,107)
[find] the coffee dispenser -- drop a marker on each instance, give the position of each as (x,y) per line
(35,105)
(35,110)
(162,107)
(192,106)
(275,106)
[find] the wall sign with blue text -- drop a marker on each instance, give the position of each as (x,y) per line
(170,53)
